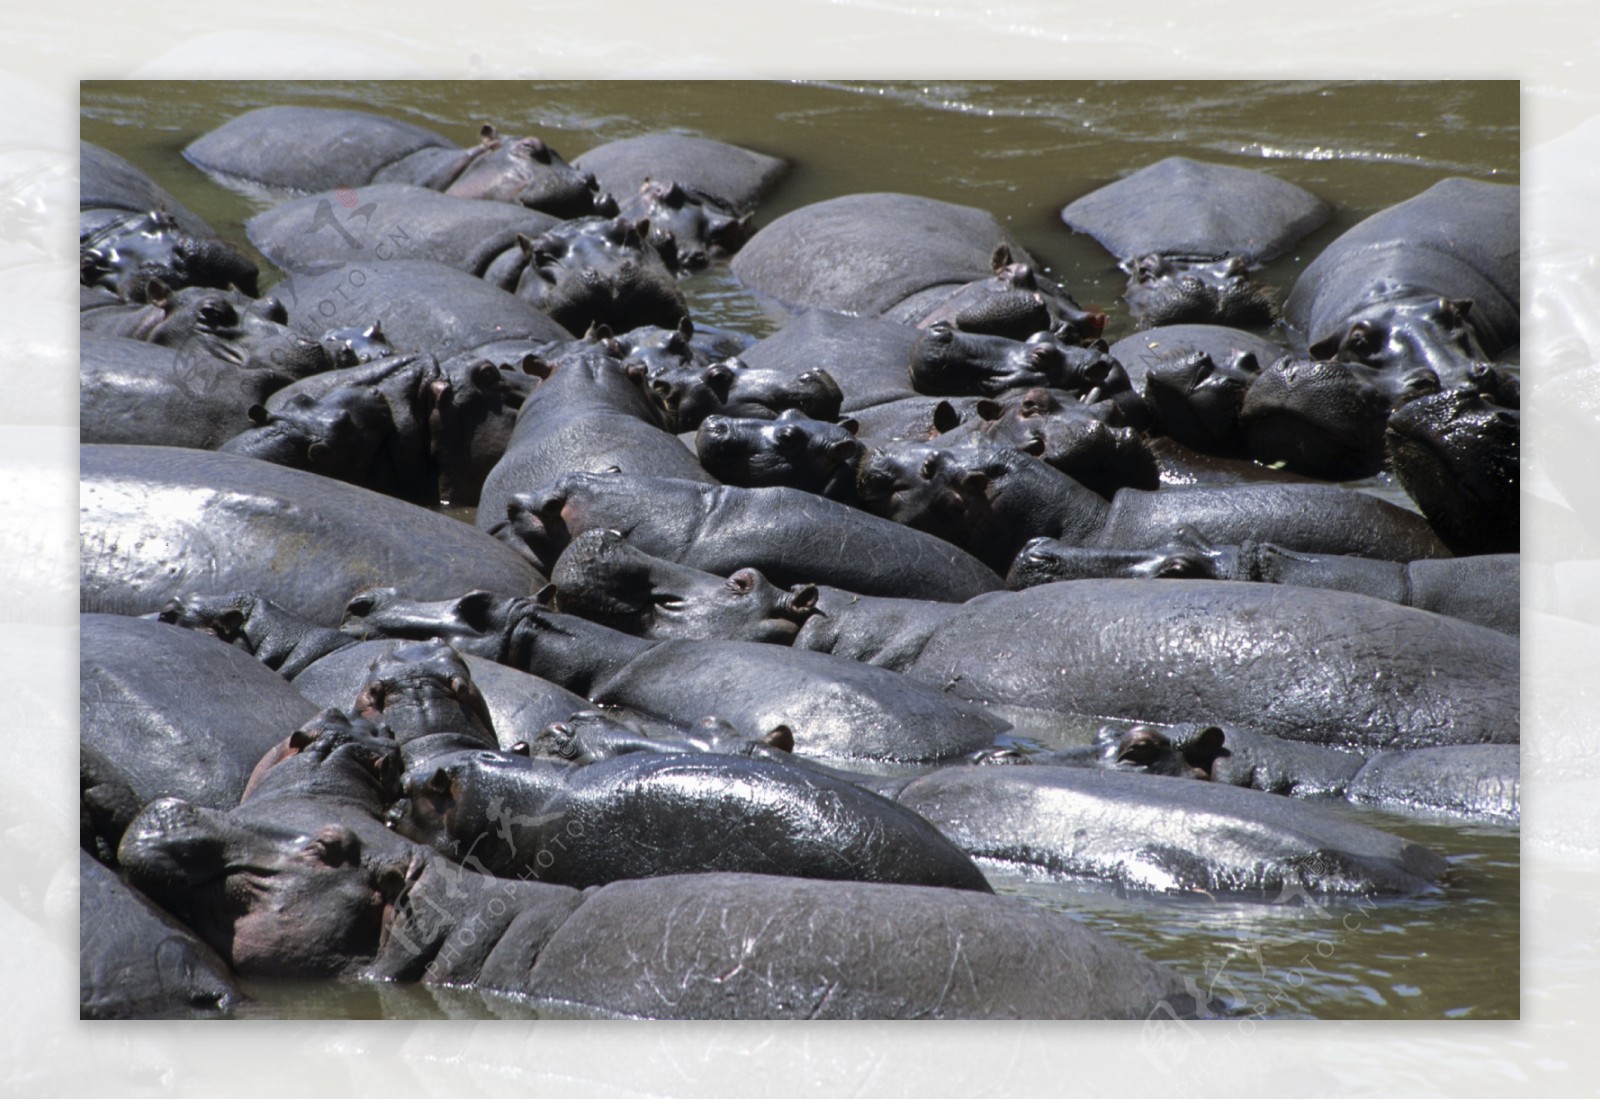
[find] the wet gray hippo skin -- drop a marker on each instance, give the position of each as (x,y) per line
(992,500)
(598,270)
(1481,589)
(247,334)
(832,706)
(867,357)
(520,705)
(125,254)
(1456,454)
(586,415)
(159,522)
(135,962)
(110,188)
(1015,302)
(1188,233)
(648,814)
(794,451)
(791,536)
(868,254)
(589,736)
(739,177)
(165,711)
(1433,281)
(312,149)
(422,305)
(1223,344)
(689,227)
(601,578)
(396,221)
(283,641)
(1163,833)
(130,391)
(1298,663)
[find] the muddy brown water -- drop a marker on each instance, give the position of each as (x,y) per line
(1021,150)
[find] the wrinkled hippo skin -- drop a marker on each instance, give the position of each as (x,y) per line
(648,814)
(1482,782)
(135,962)
(165,711)
(791,536)
(744,946)
(1137,832)
(243,518)
(738,177)
(1298,663)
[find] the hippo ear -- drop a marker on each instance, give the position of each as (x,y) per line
(300,738)
(1245,361)
(488,134)
(157,293)
(1455,308)
(259,416)
(1000,258)
(476,608)
(597,332)
(945,418)
(539,368)
(521,748)
(1201,750)
(525,243)
(545,597)
(780,738)
(227,623)
(851,425)
(374,332)
(1100,345)
(1325,348)
(719,376)
(989,409)
(635,372)
(973,482)
(841,451)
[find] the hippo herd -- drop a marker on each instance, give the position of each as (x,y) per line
(464,611)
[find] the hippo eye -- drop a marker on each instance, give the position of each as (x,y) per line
(216,313)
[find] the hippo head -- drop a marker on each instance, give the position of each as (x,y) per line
(900,482)
(688,227)
(332,753)
(684,394)
(1149,750)
(1197,402)
(528,171)
(472,623)
(471,408)
(1014,302)
(223,617)
(423,688)
(1074,438)
(252,334)
(1190,289)
(600,270)
(1456,455)
(948,362)
(126,254)
(601,578)
(1187,557)
(1326,418)
(274,901)
(337,435)
(793,450)
(1402,328)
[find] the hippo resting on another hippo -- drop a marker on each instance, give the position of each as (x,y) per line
(1434,281)
(831,706)
(902,258)
(736,176)
(1188,234)
(1482,589)
(792,536)
(311,149)
(158,522)
(1456,455)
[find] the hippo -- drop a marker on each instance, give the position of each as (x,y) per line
(831,706)
(1138,832)
(124,255)
(1456,455)
(1430,282)
(352,345)
(239,521)
(588,736)
(794,451)
(283,641)
(422,306)
(1335,668)
(396,221)
(791,536)
(1224,345)
(689,227)
(992,500)
(314,149)
(866,357)
(130,391)
(1016,302)
(165,711)
(244,333)
(646,814)
(1480,589)
(599,270)
(602,578)
(110,189)
(1188,234)
(586,416)
(135,962)
(685,391)
(732,175)
(876,254)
